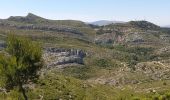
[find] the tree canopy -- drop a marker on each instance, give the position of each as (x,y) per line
(20,63)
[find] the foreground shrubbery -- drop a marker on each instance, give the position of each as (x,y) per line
(55,86)
(19,63)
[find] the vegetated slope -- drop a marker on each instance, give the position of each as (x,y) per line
(33,22)
(128,60)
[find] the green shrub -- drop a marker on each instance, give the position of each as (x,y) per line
(104,63)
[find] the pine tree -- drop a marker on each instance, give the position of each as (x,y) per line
(20,63)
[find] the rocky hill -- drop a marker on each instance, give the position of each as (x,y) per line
(33,22)
(132,32)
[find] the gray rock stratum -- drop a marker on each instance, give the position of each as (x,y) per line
(60,57)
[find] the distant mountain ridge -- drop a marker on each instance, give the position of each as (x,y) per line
(167,26)
(104,22)
(113,32)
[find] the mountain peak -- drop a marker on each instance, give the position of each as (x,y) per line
(30,18)
(31,15)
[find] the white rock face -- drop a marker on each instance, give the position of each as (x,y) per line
(55,57)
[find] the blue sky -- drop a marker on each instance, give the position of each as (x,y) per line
(157,11)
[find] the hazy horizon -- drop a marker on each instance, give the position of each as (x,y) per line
(155,11)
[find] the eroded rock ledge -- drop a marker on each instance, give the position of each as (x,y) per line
(58,57)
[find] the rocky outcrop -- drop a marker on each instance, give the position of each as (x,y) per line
(135,37)
(109,37)
(163,51)
(144,72)
(55,57)
(165,37)
(156,70)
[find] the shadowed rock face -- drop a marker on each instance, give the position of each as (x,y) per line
(2,45)
(59,56)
